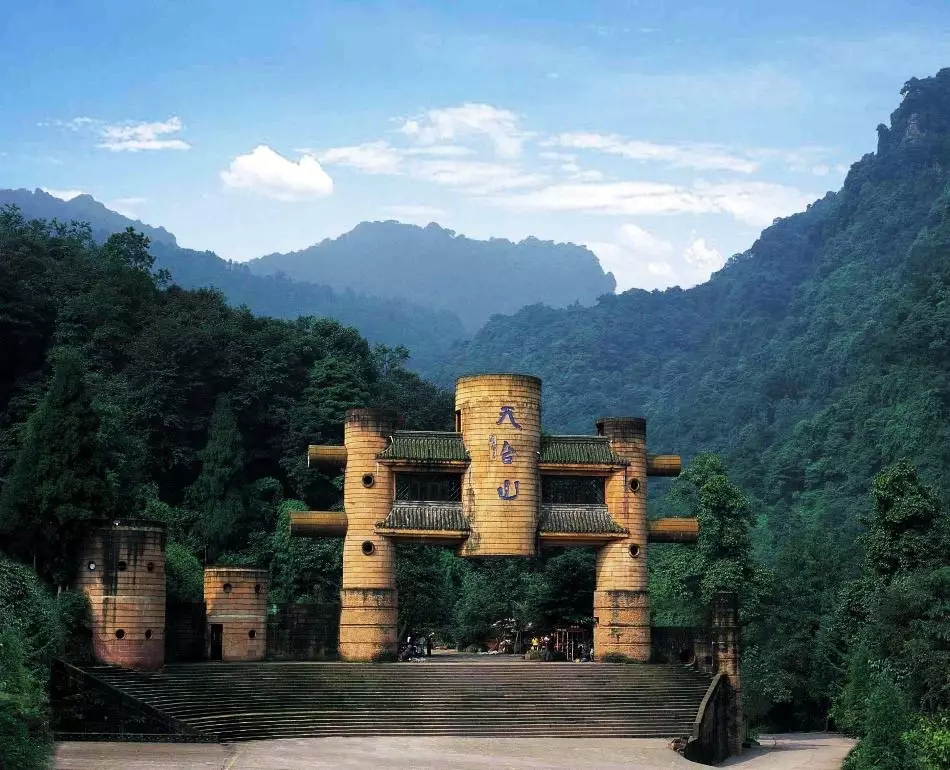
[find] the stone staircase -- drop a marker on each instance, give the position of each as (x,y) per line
(253,701)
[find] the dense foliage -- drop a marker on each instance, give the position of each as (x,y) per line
(33,628)
(893,621)
(809,363)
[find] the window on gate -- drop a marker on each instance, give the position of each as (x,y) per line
(572,490)
(445,487)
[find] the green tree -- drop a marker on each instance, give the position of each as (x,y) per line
(217,496)
(723,558)
(906,530)
(59,479)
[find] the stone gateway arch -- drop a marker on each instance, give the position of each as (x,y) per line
(496,486)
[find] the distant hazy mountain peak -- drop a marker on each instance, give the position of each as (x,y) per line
(441,269)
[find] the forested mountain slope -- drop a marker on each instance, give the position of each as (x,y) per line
(809,360)
(426,332)
(436,268)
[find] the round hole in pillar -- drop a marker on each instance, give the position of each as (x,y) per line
(368,480)
(257,588)
(150,566)
(634,485)
(148,633)
(368,548)
(251,634)
(120,633)
(634,550)
(92,566)
(121,566)
(228,588)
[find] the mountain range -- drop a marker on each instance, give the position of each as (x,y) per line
(424,288)
(437,268)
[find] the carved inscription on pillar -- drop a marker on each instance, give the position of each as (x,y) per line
(501,425)
(509,488)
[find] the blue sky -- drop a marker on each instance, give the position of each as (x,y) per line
(663,135)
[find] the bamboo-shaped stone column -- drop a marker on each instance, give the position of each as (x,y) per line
(499,416)
(368,599)
(621,601)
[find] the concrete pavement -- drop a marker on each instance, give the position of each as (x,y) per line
(811,751)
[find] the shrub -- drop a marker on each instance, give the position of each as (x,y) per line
(887,719)
(75,623)
(930,741)
(28,609)
(184,576)
(25,739)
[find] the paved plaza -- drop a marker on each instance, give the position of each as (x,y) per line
(811,751)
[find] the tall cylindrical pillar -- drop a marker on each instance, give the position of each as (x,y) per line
(499,416)
(236,613)
(368,599)
(621,600)
(123,573)
(725,629)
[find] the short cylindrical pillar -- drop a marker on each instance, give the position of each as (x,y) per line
(236,612)
(621,600)
(123,573)
(368,598)
(500,422)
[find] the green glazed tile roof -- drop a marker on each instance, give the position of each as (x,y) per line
(435,516)
(582,450)
(425,446)
(580,519)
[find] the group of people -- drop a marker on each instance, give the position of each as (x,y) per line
(416,648)
(551,648)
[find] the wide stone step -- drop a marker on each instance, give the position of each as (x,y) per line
(272,700)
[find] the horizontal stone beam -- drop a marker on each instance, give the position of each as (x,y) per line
(663,465)
(448,537)
(578,539)
(318,523)
(673,531)
(324,454)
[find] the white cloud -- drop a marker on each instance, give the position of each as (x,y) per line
(270,174)
(439,150)
(470,119)
(370,157)
(703,157)
(477,177)
(754,203)
(128,136)
(636,258)
(640,259)
(381,157)
(622,198)
(134,137)
(63,195)
(702,256)
(75,124)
